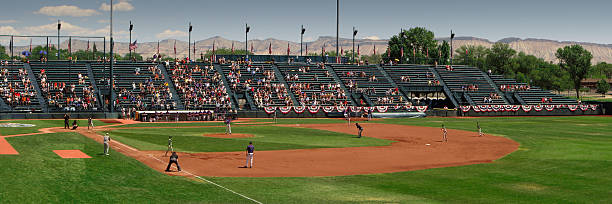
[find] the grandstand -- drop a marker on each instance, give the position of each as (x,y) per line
(60,86)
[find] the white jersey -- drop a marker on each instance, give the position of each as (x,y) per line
(106,139)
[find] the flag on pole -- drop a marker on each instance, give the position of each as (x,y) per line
(70,45)
(11,45)
(134,45)
(358,51)
(175,48)
(374,49)
(87,45)
(194,50)
(306,48)
(232,47)
(427,50)
(413,51)
(158,47)
(288,49)
(402,52)
(30,45)
(270,49)
(323,50)
(212,57)
(251,47)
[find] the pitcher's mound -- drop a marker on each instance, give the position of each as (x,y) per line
(73,153)
(223,135)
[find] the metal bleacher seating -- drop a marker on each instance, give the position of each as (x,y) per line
(312,84)
(369,81)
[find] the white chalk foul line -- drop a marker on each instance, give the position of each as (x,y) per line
(213,183)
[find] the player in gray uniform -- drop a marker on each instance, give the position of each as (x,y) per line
(90,122)
(228,127)
(479,129)
(250,150)
(170,148)
(107,140)
(444,133)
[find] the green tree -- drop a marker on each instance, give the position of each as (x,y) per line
(472,55)
(372,59)
(3,54)
(499,58)
(418,39)
(603,87)
(443,52)
(602,71)
(576,61)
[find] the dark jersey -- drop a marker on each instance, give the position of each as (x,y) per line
(174,157)
(358,126)
(250,148)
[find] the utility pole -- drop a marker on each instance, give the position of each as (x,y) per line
(354,34)
(246,41)
(302,39)
(189,43)
(59,26)
(337,26)
(451,50)
(112,43)
(130,42)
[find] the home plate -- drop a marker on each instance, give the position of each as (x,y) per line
(73,153)
(427,144)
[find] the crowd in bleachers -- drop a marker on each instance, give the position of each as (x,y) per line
(313,85)
(199,86)
(68,97)
(17,89)
(260,82)
(152,93)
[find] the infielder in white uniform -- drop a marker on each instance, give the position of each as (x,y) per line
(107,140)
(228,128)
(249,155)
(444,133)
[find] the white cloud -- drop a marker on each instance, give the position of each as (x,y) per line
(171,34)
(120,6)
(102,21)
(7,21)
(372,38)
(66,10)
(8,30)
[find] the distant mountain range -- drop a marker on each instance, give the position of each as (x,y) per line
(541,48)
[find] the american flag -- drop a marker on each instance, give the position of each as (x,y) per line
(232,47)
(133,45)
(270,49)
(288,49)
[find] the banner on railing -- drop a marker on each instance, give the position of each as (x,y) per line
(285,109)
(270,109)
(525,108)
(314,109)
(299,109)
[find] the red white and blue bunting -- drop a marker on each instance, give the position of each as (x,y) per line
(299,109)
(382,109)
(285,109)
(328,109)
(313,109)
(421,108)
(270,109)
(525,108)
(355,109)
(340,108)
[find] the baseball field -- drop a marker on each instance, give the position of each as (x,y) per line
(518,160)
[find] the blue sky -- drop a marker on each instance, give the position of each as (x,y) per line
(585,21)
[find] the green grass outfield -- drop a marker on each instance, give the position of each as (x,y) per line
(560,160)
(41,124)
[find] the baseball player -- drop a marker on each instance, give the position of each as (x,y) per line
(173,160)
(444,133)
(360,129)
(66,121)
(479,129)
(90,123)
(170,148)
(107,140)
(228,127)
(249,155)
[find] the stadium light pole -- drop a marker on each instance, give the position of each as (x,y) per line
(130,42)
(302,39)
(451,50)
(246,41)
(189,43)
(112,80)
(354,34)
(59,26)
(337,26)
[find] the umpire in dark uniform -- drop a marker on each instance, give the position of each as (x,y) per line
(173,160)
(66,121)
